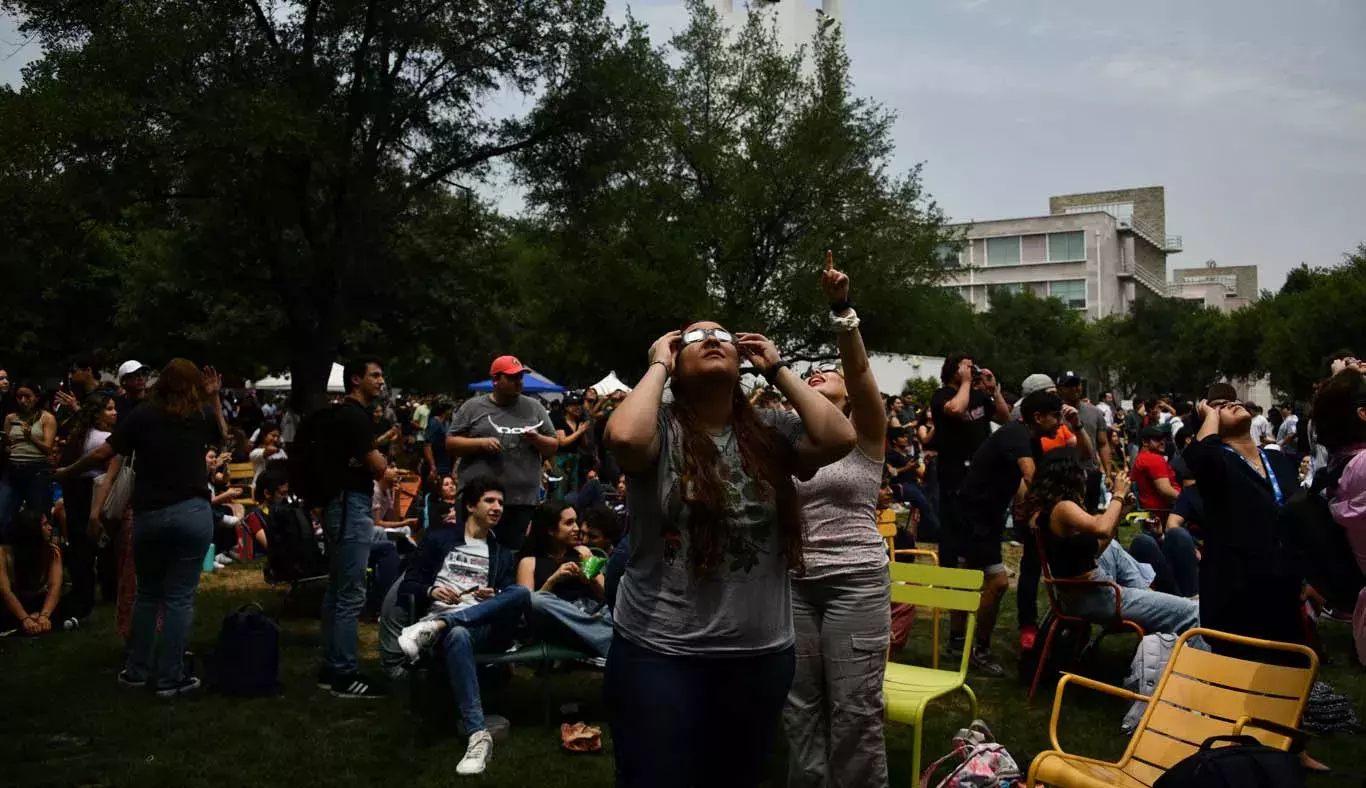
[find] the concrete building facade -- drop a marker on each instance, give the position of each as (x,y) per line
(1222,287)
(1098,252)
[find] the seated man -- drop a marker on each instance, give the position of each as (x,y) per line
(1072,536)
(602,528)
(468,600)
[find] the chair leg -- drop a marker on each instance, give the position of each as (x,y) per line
(972,701)
(1043,658)
(915,751)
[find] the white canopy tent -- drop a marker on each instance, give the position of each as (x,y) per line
(336,383)
(610,385)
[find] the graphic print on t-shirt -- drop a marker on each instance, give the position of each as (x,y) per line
(465,569)
(511,437)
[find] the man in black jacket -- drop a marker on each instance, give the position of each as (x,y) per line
(469,601)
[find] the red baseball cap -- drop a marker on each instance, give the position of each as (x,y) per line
(506,365)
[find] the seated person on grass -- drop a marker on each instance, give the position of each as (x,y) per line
(1073,539)
(443,508)
(469,602)
(30,577)
(272,490)
(566,606)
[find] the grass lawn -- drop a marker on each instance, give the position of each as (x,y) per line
(66,722)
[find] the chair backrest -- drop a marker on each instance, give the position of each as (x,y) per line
(1202,694)
(886,528)
(937,586)
(240,472)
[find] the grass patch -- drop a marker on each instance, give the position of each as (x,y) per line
(66,723)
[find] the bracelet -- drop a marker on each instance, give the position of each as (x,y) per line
(662,364)
(840,307)
(771,374)
(843,324)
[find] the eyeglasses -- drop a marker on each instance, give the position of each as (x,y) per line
(1226,403)
(702,334)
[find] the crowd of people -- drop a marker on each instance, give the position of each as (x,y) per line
(714,546)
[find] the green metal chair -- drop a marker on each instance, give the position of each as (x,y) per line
(909,688)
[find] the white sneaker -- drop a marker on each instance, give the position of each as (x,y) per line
(222,559)
(231,520)
(477,754)
(417,637)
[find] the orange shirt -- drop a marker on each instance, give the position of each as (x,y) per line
(1060,439)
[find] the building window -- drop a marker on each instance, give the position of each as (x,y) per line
(962,291)
(1015,288)
(1071,292)
(1003,251)
(1066,247)
(949,255)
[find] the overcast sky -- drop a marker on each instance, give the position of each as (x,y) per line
(1252,113)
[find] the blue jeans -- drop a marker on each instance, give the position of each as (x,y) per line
(1152,610)
(350,532)
(567,624)
(24,485)
(480,629)
(679,722)
(168,554)
(1174,558)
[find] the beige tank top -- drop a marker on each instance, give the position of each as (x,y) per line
(21,450)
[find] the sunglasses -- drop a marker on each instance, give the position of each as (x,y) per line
(1226,403)
(825,368)
(702,334)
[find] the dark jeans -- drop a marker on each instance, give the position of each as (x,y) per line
(1173,558)
(80,550)
(511,529)
(679,722)
(24,486)
(168,554)
(384,558)
(1027,586)
(952,528)
(485,628)
(914,495)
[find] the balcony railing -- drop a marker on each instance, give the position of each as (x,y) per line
(1149,233)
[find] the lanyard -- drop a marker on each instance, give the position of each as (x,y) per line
(1270,477)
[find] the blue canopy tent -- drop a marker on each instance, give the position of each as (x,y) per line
(532,383)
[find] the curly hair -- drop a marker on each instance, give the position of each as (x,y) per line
(1060,477)
(86,419)
(764,457)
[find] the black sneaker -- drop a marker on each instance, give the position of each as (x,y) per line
(126,680)
(982,662)
(186,685)
(325,677)
(953,650)
(356,686)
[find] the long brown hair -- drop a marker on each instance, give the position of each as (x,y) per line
(764,456)
(179,390)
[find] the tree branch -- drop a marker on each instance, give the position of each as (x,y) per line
(311,30)
(263,22)
(474,159)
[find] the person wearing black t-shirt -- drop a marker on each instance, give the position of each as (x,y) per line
(350,529)
(172,519)
(1000,469)
(962,412)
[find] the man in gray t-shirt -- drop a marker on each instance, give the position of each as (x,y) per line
(505,435)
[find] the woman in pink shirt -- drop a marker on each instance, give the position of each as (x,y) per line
(1340,423)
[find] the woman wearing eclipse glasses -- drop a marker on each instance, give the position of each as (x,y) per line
(841,606)
(703,655)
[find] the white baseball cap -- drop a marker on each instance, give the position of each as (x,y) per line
(130,367)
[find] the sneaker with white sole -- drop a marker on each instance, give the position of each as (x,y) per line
(356,686)
(127,680)
(415,638)
(477,754)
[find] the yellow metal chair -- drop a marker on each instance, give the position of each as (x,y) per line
(241,475)
(886,528)
(909,688)
(1200,695)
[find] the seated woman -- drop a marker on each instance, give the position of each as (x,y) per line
(31,577)
(566,607)
(1072,540)
(441,505)
(268,448)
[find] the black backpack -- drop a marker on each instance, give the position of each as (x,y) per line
(294,552)
(317,466)
(1247,763)
(247,660)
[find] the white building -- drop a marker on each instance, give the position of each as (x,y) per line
(796,21)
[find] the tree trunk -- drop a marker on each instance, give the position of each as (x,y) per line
(310,364)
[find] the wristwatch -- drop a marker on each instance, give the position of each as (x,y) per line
(771,374)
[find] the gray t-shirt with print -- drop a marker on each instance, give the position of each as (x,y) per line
(745,607)
(518,465)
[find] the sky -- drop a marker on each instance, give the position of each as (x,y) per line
(1251,113)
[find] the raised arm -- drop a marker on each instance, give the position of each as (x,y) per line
(868,412)
(829,435)
(632,434)
(958,406)
(1103,524)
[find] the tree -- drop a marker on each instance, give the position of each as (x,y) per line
(252,165)
(1026,334)
(708,182)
